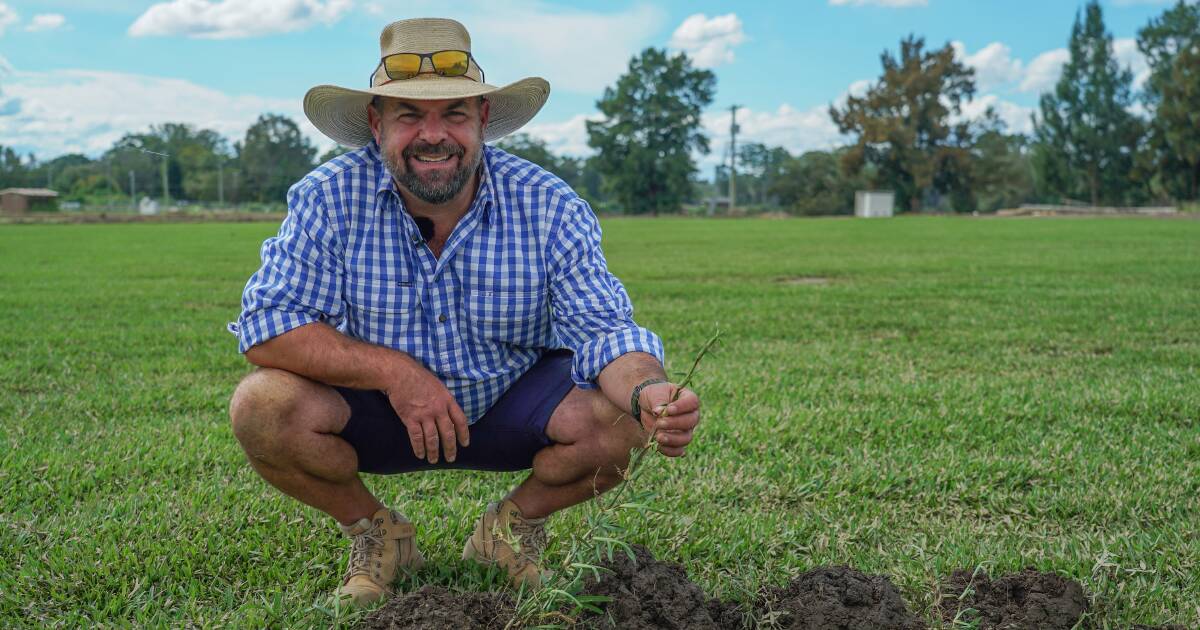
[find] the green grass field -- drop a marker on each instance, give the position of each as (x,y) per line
(952,393)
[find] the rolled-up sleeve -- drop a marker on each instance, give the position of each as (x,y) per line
(299,281)
(592,313)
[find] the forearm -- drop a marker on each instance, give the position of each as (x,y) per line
(320,352)
(626,372)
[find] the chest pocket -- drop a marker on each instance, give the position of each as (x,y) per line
(382,312)
(516,318)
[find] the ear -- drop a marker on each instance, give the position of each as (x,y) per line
(375,120)
(485,109)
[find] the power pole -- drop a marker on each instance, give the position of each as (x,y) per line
(221,183)
(733,129)
(133,190)
(166,190)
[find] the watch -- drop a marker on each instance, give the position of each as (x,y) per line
(635,407)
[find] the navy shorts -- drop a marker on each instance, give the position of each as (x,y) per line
(506,437)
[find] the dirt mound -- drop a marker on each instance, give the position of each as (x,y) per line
(435,607)
(837,598)
(648,594)
(1029,599)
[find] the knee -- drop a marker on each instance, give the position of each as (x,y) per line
(617,435)
(265,404)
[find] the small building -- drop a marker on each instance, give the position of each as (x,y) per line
(874,203)
(22,200)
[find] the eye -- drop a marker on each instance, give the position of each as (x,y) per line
(409,117)
(457,116)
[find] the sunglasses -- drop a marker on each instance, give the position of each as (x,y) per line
(446,63)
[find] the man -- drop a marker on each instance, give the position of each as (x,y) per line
(432,302)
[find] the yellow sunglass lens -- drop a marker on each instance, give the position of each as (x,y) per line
(451,63)
(402,66)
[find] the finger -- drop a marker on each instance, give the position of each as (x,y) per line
(429,428)
(446,429)
(417,438)
(687,403)
(674,439)
(685,422)
(460,424)
(671,451)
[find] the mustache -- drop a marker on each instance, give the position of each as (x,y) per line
(439,149)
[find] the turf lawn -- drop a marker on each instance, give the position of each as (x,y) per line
(950,393)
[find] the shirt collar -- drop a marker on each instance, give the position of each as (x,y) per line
(485,195)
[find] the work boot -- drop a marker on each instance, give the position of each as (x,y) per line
(505,538)
(382,545)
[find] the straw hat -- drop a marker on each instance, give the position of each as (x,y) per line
(341,113)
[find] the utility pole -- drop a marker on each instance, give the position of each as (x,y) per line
(166,190)
(221,183)
(733,130)
(133,190)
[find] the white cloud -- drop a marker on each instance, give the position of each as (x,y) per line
(227,19)
(1043,71)
(46,22)
(568,137)
(993,64)
(881,3)
(86,111)
(709,41)
(8,17)
(576,51)
(1017,118)
(1128,55)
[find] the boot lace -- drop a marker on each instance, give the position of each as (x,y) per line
(530,538)
(365,545)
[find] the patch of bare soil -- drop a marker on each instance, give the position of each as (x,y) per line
(1027,600)
(647,594)
(435,607)
(803,280)
(837,598)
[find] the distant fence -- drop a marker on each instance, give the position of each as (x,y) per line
(1040,208)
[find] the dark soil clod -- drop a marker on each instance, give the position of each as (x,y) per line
(648,594)
(1029,599)
(837,598)
(435,607)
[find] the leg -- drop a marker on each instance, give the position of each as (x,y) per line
(591,449)
(287,424)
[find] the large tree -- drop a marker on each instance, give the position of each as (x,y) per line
(1085,136)
(1171,45)
(813,183)
(910,126)
(651,128)
(272,157)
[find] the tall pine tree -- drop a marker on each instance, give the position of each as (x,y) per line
(1085,136)
(1171,45)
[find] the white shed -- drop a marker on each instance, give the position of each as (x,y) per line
(874,203)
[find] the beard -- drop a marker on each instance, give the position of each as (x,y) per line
(434,188)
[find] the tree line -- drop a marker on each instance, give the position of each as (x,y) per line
(1096,140)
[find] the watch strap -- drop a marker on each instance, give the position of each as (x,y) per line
(635,406)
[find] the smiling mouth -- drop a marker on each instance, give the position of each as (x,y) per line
(432,158)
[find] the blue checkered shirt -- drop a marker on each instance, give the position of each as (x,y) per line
(521,273)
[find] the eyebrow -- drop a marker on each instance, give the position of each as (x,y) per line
(459,104)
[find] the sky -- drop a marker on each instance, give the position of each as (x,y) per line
(76,75)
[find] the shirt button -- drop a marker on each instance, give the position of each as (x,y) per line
(442,317)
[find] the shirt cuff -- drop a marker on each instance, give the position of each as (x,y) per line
(260,326)
(597,353)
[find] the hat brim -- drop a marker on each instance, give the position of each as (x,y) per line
(341,113)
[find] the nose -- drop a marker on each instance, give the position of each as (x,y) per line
(433,128)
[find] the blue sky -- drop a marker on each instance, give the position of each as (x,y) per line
(77,74)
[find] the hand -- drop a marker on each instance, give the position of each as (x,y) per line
(429,412)
(676,426)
